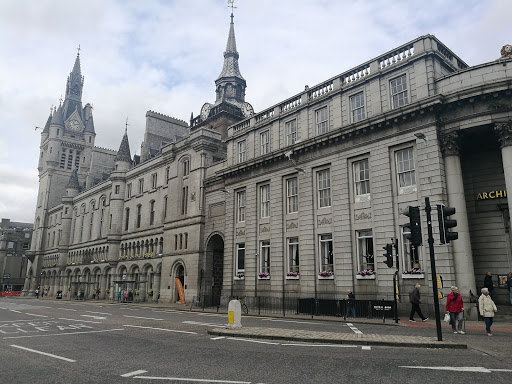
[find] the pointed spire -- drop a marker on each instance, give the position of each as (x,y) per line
(230,68)
(73,181)
(74,87)
(57,118)
(46,128)
(89,121)
(124,149)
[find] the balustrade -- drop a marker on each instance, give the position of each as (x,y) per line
(321,90)
(400,54)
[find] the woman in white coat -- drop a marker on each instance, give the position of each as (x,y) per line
(487,309)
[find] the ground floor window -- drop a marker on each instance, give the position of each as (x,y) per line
(326,254)
(240,260)
(365,250)
(264,258)
(293,256)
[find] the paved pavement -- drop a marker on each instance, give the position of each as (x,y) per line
(381,339)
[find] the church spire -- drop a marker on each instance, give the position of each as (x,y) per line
(124,153)
(230,84)
(74,88)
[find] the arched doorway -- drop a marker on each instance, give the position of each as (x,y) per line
(214,268)
(180,274)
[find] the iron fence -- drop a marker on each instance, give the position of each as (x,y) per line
(366,309)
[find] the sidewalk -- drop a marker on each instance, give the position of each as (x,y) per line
(335,338)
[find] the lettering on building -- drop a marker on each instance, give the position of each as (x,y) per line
(491,195)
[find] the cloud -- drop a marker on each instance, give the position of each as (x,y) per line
(165,56)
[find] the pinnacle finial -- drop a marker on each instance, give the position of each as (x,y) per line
(231,4)
(78,50)
(126,126)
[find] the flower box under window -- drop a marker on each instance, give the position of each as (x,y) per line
(326,275)
(292,275)
(239,276)
(263,276)
(366,274)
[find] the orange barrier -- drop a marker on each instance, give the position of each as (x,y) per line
(12,293)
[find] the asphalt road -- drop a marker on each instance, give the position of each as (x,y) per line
(91,342)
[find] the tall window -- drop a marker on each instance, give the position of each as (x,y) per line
(141,185)
(399,91)
(117,189)
(154,180)
(357,107)
(365,250)
(292,195)
(102,216)
(293,256)
(362,180)
(126,219)
(321,121)
(91,220)
(165,206)
(242,151)
(152,212)
(167,171)
(265,200)
(240,260)
(324,188)
(70,159)
(405,168)
(139,213)
(291,132)
(240,206)
(410,252)
(326,253)
(265,257)
(129,190)
(265,142)
(184,200)
(186,167)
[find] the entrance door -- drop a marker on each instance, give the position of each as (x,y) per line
(180,274)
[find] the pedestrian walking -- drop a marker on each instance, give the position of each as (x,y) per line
(415,300)
(118,296)
(510,286)
(351,309)
(37,293)
(455,307)
(488,283)
(487,309)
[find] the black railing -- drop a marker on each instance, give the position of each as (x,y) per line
(365,309)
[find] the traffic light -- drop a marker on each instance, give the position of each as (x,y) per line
(388,255)
(414,226)
(445,224)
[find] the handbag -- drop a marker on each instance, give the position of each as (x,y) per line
(447,317)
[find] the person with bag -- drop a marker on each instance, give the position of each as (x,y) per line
(415,300)
(455,307)
(487,309)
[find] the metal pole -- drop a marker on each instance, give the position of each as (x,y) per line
(395,278)
(428,209)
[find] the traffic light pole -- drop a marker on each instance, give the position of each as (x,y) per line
(428,209)
(395,278)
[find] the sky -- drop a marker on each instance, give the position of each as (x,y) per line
(164,56)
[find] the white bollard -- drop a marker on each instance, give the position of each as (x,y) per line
(234,314)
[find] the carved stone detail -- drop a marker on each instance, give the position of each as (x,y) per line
(363,216)
(291,225)
(504,131)
(506,51)
(240,232)
(449,144)
(324,221)
(264,229)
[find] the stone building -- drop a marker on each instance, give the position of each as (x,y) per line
(15,238)
(297,200)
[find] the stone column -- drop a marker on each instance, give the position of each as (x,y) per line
(461,248)
(156,286)
(504,131)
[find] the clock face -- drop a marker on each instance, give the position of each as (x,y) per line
(247,109)
(74,125)
(205,111)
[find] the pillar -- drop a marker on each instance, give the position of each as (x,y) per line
(156,286)
(504,131)
(461,248)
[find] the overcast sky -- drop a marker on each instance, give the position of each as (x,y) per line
(165,56)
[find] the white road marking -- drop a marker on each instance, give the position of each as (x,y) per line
(217,338)
(500,370)
(95,317)
(44,353)
(13,321)
(210,314)
(80,320)
(160,329)
(351,326)
(205,324)
(252,341)
(323,345)
(33,314)
(99,313)
(134,373)
(458,369)
(366,348)
(290,321)
(68,309)
(64,334)
(12,310)
(187,379)
(140,317)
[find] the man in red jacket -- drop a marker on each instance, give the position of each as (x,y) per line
(455,307)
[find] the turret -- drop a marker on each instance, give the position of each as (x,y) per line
(73,187)
(123,160)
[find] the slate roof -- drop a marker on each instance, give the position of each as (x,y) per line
(47,125)
(230,68)
(124,150)
(73,180)
(57,117)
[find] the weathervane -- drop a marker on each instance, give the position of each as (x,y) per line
(126,126)
(231,3)
(78,49)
